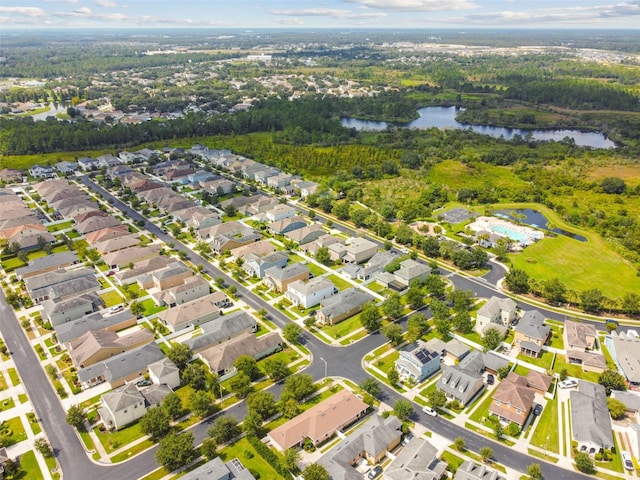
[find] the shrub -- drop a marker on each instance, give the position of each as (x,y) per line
(269,456)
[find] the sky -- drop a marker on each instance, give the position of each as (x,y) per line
(247,14)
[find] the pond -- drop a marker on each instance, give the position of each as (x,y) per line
(534,218)
(445,117)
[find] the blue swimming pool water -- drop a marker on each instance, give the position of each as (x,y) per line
(513,235)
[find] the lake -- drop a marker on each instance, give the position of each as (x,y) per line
(534,218)
(445,117)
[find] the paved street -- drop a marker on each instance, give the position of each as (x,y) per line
(341,361)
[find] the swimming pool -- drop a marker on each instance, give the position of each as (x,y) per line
(512,234)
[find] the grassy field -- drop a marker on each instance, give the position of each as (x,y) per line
(546,433)
(29,465)
(111,298)
(256,463)
(114,440)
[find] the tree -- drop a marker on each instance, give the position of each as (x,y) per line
(292,332)
(263,403)
(461,300)
(617,409)
(392,307)
(291,458)
(43,447)
(323,256)
(492,338)
(315,472)
(241,385)
(298,386)
(276,368)
(370,317)
(517,281)
(631,303)
(498,430)
(443,327)
(417,326)
(201,403)
(175,451)
(224,429)
(393,332)
(155,423)
(195,375)
(137,308)
(180,354)
(554,291)
(76,416)
(591,300)
(535,471)
(504,371)
(372,387)
(393,376)
(436,398)
(612,380)
(486,453)
(460,444)
(439,309)
(403,409)
(209,448)
(613,185)
(252,424)
(462,322)
(585,463)
(249,366)
(434,285)
(172,404)
(289,408)
(415,297)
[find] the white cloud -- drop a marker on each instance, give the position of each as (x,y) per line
(106,3)
(290,21)
(416,5)
(327,12)
(23,11)
(82,11)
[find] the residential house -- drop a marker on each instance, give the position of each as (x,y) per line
(260,248)
(262,176)
(580,340)
(289,224)
(9,175)
(470,470)
(119,170)
(307,234)
(165,372)
(97,223)
(219,186)
(280,278)
(418,460)
(174,274)
(512,400)
(105,233)
(464,381)
(68,309)
(129,403)
(417,363)
(306,188)
(216,469)
(189,290)
(222,329)
(531,333)
(66,167)
(453,350)
(410,270)
(142,269)
(256,265)
(87,164)
(625,351)
(310,293)
(94,321)
(108,161)
(261,205)
(319,423)
(45,264)
(322,241)
(117,243)
(590,420)
(497,312)
(190,314)
(39,286)
(200,219)
(372,442)
(359,250)
(185,214)
(200,176)
(40,171)
(221,358)
(279,181)
(280,212)
(373,267)
(122,258)
(28,236)
(125,367)
(539,381)
(95,346)
(342,306)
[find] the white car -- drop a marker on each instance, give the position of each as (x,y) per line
(430,411)
(116,309)
(627,461)
(568,383)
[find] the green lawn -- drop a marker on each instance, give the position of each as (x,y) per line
(12,263)
(547,428)
(17,431)
(315,269)
(482,410)
(7,404)
(343,328)
(556,337)
(543,361)
(150,307)
(130,452)
(388,362)
(452,460)
(33,422)
(564,258)
(13,374)
(60,226)
(256,463)
(3,382)
(111,298)
(114,440)
(29,466)
(339,282)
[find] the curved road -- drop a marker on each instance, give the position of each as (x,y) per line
(341,361)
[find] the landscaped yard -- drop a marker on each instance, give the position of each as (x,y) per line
(343,328)
(388,362)
(543,361)
(574,370)
(315,270)
(29,465)
(482,411)
(117,439)
(111,298)
(256,463)
(150,307)
(546,433)
(339,282)
(15,427)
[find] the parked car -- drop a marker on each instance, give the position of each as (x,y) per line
(375,472)
(110,273)
(627,461)
(116,309)
(430,411)
(407,438)
(490,379)
(537,410)
(568,383)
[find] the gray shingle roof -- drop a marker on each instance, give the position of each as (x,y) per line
(217,470)
(590,415)
(120,366)
(532,325)
(95,321)
(287,272)
(417,461)
(344,302)
(221,329)
(48,261)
